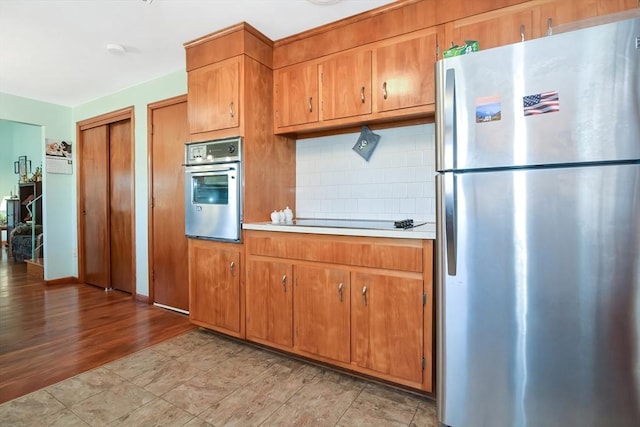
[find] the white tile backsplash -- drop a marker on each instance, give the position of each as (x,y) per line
(397,183)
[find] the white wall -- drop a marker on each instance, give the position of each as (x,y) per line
(398,181)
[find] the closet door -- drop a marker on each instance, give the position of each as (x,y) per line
(106,255)
(121,206)
(93,173)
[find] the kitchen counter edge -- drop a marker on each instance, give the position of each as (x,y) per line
(423,232)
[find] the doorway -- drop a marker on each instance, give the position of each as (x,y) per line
(106,252)
(168,269)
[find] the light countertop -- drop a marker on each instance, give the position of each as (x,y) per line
(424,232)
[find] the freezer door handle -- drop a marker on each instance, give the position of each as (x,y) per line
(450,222)
(449,119)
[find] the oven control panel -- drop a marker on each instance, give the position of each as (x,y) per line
(223,150)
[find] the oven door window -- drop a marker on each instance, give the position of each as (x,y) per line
(210,189)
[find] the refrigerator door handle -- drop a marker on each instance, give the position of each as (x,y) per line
(450,222)
(449,119)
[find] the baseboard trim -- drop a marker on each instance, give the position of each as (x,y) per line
(142,298)
(62,281)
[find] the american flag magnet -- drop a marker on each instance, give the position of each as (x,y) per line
(541,103)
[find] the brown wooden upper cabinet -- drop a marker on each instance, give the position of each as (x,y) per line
(559,12)
(213,96)
(296,95)
(525,21)
(392,79)
(404,72)
(346,85)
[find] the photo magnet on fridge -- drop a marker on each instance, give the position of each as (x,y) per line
(488,109)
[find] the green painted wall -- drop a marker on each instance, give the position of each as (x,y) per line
(58,122)
(58,209)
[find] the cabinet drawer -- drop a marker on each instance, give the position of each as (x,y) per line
(391,254)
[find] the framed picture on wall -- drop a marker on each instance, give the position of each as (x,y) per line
(23,166)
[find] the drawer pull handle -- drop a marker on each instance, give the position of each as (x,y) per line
(340,286)
(522,32)
(232,267)
(311,104)
(284,283)
(362,94)
(364,295)
(384,90)
(231,109)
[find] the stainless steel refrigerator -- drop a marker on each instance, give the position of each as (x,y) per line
(538,232)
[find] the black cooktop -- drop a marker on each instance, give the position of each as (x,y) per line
(355,223)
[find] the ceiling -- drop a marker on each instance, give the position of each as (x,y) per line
(56,50)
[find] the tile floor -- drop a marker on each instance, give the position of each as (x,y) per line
(201,379)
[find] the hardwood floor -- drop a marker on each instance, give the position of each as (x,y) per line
(49,333)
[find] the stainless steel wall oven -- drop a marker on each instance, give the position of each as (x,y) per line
(213,188)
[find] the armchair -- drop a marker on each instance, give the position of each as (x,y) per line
(20,244)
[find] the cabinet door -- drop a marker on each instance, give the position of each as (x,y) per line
(214,279)
(270,302)
(346,85)
(213,96)
(492,29)
(321,312)
(387,325)
(566,11)
(404,73)
(296,95)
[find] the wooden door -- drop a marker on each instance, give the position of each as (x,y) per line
(169,274)
(321,310)
(404,73)
(386,314)
(214,96)
(492,29)
(270,302)
(214,277)
(121,206)
(346,85)
(95,229)
(296,95)
(106,254)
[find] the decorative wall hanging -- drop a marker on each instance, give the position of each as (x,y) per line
(367,142)
(58,157)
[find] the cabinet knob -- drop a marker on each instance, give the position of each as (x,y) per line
(364,295)
(284,283)
(384,90)
(340,286)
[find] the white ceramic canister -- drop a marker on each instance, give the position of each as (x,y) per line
(288,215)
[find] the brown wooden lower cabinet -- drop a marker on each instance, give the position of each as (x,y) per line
(215,286)
(321,307)
(368,314)
(269,315)
(358,303)
(386,325)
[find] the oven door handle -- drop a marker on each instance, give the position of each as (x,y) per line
(211,173)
